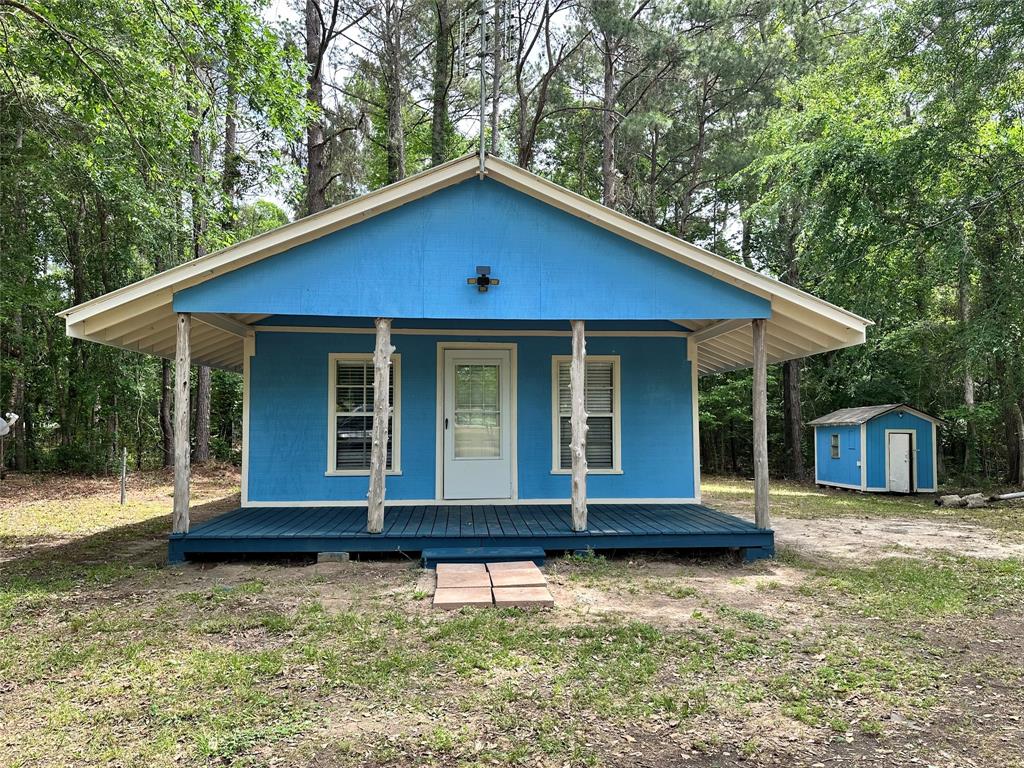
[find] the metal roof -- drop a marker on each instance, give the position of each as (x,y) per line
(865,413)
(141,317)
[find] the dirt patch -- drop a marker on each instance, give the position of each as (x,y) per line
(869,539)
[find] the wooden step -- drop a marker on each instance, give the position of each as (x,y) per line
(431,557)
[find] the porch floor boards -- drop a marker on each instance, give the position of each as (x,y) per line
(263,530)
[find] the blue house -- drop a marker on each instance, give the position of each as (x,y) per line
(882,448)
(472,357)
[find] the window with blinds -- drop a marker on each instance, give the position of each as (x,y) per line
(601,401)
(352,419)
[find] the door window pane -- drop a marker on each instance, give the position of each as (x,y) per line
(477,427)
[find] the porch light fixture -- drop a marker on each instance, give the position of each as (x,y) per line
(483,279)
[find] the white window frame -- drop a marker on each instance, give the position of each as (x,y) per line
(616,362)
(332,431)
(835,446)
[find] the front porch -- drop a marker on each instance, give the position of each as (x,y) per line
(411,529)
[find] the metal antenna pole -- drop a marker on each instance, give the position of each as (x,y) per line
(483,67)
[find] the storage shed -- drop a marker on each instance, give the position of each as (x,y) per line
(881,448)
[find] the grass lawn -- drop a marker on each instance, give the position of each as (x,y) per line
(892,657)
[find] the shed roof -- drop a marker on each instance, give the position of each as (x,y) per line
(864,413)
(141,316)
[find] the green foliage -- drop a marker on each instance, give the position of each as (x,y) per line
(100,104)
(874,157)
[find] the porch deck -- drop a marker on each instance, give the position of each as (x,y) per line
(411,529)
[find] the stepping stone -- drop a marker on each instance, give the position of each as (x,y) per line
(450,599)
(519,578)
(463,579)
(461,568)
(523,597)
(516,565)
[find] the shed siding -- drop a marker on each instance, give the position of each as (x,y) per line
(922,443)
(845,469)
(288,418)
(413,262)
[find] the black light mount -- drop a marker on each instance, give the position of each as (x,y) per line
(483,279)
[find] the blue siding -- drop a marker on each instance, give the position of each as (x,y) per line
(413,262)
(288,418)
(844,469)
(922,443)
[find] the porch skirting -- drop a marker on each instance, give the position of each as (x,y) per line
(411,529)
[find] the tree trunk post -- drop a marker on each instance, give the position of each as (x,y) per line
(381,411)
(760,398)
(182,395)
(578,422)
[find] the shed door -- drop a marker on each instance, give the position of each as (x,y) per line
(899,462)
(477,424)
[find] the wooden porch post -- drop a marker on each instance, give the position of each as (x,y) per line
(578,422)
(761,515)
(182,396)
(381,410)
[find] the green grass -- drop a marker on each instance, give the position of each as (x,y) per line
(810,502)
(116,661)
(900,588)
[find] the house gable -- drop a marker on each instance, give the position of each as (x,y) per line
(413,261)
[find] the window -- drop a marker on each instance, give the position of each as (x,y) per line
(601,398)
(351,415)
(835,445)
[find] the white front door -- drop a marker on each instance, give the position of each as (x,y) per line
(899,462)
(477,424)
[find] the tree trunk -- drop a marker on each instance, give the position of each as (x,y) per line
(792,409)
(316,171)
(1017,450)
(232,162)
(496,77)
(608,123)
(202,448)
(394,100)
(792,418)
(439,122)
(970,438)
(17,404)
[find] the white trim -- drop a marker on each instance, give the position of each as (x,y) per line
(457,332)
(462,502)
(835,446)
(332,430)
(691,356)
(513,350)
(840,485)
(248,352)
(817,478)
(877,490)
(863,456)
(913,456)
(895,409)
(935,458)
(616,468)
